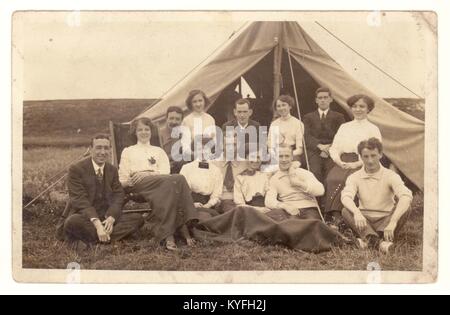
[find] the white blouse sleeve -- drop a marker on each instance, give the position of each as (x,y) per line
(299,139)
(163,163)
(124,167)
(335,149)
(377,133)
(218,188)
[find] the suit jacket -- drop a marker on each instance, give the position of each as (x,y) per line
(318,132)
(251,123)
(167,142)
(82,188)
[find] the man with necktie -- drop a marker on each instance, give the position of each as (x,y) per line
(320,128)
(96,198)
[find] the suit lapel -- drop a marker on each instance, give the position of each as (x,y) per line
(90,178)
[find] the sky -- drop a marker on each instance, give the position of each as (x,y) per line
(72,55)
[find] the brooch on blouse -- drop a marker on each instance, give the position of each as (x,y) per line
(152,161)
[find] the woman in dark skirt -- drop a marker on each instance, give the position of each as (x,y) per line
(345,154)
(144,170)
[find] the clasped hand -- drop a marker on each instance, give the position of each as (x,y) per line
(139,176)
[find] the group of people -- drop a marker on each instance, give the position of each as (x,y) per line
(326,169)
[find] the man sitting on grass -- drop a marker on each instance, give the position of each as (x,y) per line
(96,197)
(378,218)
(294,189)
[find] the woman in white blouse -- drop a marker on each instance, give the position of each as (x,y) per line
(344,152)
(200,124)
(144,169)
(205,180)
(287,129)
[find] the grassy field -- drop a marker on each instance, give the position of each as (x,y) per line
(41,250)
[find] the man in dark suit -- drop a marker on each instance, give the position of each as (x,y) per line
(320,128)
(96,197)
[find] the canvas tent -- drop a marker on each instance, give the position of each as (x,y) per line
(260,55)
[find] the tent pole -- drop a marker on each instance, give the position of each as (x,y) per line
(300,117)
(277,69)
(298,107)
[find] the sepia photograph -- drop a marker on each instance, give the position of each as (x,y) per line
(224,147)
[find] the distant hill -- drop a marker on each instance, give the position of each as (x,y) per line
(412,106)
(62,122)
(72,122)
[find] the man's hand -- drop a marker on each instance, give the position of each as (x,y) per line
(198,205)
(102,235)
(295,165)
(389,231)
(360,221)
(108,224)
(324,155)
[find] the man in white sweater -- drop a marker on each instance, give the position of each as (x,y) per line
(384,200)
(294,189)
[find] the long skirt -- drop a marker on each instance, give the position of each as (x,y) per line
(335,183)
(172,206)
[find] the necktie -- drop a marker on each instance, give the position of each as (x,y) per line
(229,179)
(322,118)
(99,176)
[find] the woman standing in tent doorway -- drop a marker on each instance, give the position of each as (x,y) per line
(287,129)
(144,170)
(344,152)
(201,125)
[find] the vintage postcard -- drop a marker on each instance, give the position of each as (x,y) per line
(224,147)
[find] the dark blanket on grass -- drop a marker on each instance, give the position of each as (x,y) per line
(274,228)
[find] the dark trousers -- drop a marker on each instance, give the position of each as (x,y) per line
(335,183)
(319,166)
(79,227)
(375,226)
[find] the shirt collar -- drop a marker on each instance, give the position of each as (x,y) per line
(242,127)
(376,175)
(97,167)
(323,112)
